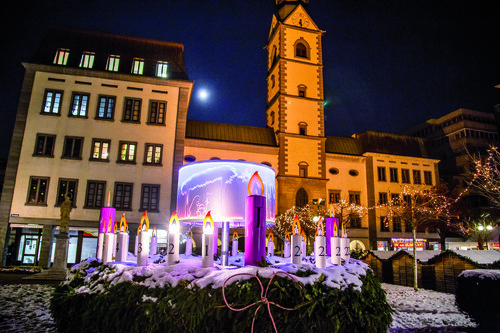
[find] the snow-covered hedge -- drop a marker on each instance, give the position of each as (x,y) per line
(478,292)
(188,298)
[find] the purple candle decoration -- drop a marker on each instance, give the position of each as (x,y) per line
(330,222)
(107,213)
(255,222)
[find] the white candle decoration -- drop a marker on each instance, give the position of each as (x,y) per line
(303,248)
(286,251)
(207,245)
(100,246)
(270,248)
(143,248)
(296,249)
(320,251)
(189,247)
(122,241)
(136,244)
(234,249)
(109,247)
(336,250)
(346,250)
(154,245)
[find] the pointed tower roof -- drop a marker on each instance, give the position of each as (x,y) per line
(285,7)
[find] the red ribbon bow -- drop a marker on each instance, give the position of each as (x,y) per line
(263,298)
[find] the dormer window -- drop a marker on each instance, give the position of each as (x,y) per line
(87,60)
(138,66)
(61,57)
(161,69)
(113,63)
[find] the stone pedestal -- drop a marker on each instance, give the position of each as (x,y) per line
(59,268)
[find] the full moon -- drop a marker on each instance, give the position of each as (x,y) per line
(203,94)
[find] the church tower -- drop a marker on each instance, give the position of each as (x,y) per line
(295,103)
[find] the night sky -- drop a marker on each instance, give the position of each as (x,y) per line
(388,64)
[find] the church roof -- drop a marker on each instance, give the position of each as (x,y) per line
(103,45)
(205,130)
(343,145)
(394,144)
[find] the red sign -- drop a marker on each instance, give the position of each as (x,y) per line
(404,242)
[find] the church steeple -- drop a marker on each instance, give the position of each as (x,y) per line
(295,103)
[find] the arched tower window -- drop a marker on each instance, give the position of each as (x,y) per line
(302,48)
(301,198)
(302,128)
(302,90)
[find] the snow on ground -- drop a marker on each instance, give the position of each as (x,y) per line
(424,308)
(24,308)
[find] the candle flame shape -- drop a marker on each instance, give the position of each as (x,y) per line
(173,225)
(190,234)
(110,226)
(155,233)
(144,218)
(116,227)
(255,179)
(332,209)
(336,228)
(235,235)
(296,222)
(321,228)
(303,235)
(109,198)
(208,218)
(287,236)
(271,237)
(124,224)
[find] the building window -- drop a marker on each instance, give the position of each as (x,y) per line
(302,128)
(417,177)
(428,177)
(44,145)
(334,197)
(393,173)
(61,57)
(72,147)
(150,198)
(355,198)
(396,224)
(405,176)
(157,112)
(79,105)
(132,110)
(106,107)
(123,196)
(303,169)
(100,150)
(381,174)
(67,186)
(354,220)
(382,198)
(137,66)
(87,60)
(302,90)
(300,50)
(384,224)
(52,102)
(161,69)
(94,198)
(127,152)
(113,63)
(37,192)
(153,154)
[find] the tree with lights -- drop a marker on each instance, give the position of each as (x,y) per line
(484,179)
(306,215)
(481,229)
(417,208)
(347,211)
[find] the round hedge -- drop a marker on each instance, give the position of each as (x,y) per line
(131,307)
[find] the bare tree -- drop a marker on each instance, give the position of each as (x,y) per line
(484,178)
(347,211)
(420,208)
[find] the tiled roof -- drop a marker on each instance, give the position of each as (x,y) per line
(394,144)
(204,130)
(342,145)
(104,45)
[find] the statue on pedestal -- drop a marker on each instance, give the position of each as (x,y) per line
(66,207)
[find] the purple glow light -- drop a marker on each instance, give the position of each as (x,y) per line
(221,186)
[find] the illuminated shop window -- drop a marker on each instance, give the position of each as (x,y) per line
(127,152)
(52,102)
(100,150)
(157,110)
(153,154)
(106,107)
(79,105)
(132,111)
